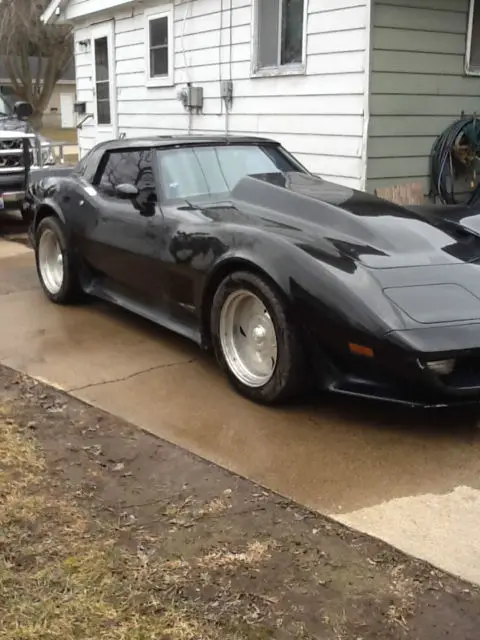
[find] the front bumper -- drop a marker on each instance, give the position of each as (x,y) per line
(12,189)
(398,392)
(13,199)
(398,374)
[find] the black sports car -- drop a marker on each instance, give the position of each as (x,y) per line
(294,281)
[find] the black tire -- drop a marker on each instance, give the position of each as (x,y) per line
(70,291)
(288,375)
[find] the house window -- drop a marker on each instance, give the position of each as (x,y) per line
(280,34)
(102,81)
(472,61)
(159,62)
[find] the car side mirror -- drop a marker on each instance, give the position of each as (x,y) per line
(126,191)
(23,110)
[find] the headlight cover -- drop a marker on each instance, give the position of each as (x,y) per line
(434,303)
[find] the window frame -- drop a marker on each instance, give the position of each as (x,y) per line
(165,11)
(99,31)
(106,82)
(293,69)
(468,51)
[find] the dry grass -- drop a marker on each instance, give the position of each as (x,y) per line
(65,576)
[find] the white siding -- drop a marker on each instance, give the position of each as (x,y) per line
(318,116)
(84,80)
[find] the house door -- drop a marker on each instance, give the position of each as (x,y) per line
(104,86)
(66,110)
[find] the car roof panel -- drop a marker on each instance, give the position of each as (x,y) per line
(184,140)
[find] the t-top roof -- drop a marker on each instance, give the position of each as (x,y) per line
(184,140)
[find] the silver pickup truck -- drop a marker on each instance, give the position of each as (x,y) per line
(20,150)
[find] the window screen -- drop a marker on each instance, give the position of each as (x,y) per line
(102,81)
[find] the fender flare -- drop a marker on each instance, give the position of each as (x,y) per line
(50,204)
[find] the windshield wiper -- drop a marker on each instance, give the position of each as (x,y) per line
(190,205)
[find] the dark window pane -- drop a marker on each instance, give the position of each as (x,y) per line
(159,62)
(268,33)
(131,167)
(158,32)
(103,112)
(102,84)
(475,43)
(292,31)
(101,59)
(103,90)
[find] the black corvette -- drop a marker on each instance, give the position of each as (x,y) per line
(294,282)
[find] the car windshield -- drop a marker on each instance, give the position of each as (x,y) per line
(191,172)
(6,108)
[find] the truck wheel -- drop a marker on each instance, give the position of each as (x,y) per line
(55,262)
(254,340)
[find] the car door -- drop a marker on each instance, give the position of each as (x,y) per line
(184,241)
(117,241)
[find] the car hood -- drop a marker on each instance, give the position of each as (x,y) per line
(11,123)
(323,217)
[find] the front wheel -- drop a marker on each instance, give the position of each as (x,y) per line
(254,341)
(55,262)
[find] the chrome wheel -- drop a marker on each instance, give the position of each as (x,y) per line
(248,338)
(50,261)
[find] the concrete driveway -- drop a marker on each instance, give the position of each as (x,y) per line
(410,478)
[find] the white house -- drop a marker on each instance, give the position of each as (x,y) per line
(357,90)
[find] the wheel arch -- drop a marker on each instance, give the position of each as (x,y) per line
(48,208)
(219,273)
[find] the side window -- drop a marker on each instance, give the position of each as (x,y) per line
(133,167)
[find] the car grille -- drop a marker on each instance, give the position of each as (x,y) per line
(12,155)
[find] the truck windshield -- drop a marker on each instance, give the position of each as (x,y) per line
(215,170)
(6,108)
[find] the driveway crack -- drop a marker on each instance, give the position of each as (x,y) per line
(131,375)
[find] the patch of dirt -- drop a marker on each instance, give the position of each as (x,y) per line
(107,532)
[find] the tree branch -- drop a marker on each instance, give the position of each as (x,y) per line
(23,36)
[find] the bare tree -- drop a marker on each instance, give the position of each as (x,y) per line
(23,35)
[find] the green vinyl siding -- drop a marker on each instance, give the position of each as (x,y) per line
(417,87)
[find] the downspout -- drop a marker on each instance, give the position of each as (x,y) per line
(366,93)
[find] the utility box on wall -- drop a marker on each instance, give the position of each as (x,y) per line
(80,108)
(195,98)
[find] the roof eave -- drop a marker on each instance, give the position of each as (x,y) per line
(51,11)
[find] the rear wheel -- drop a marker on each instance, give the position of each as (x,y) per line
(254,341)
(55,262)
